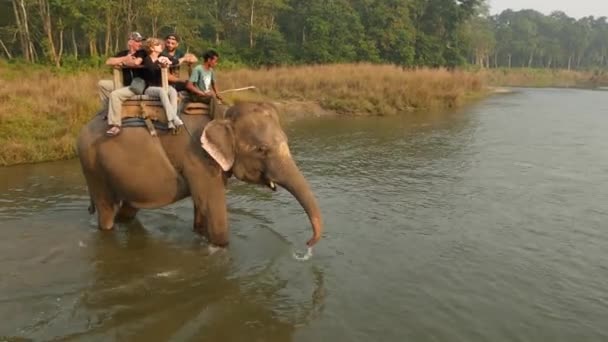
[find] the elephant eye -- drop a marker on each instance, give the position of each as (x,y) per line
(262,149)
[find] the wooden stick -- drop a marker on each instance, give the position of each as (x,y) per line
(165,78)
(118,81)
(236,89)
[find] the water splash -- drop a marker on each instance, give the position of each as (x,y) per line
(213,249)
(303,257)
(166,274)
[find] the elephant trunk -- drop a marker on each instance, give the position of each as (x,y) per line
(293,181)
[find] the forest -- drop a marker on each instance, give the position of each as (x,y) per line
(410,33)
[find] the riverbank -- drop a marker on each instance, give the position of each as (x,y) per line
(543,78)
(41,110)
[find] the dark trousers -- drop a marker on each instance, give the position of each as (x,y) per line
(179,85)
(210,100)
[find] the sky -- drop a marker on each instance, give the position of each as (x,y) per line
(573,8)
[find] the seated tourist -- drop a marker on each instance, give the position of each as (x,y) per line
(129,60)
(177,58)
(152,65)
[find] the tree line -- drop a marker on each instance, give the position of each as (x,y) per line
(528,38)
(276,32)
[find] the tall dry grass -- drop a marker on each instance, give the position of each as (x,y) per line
(41,111)
(526,77)
(362,89)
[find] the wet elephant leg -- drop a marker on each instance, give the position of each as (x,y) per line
(126,212)
(106,211)
(102,202)
(217,221)
(219,237)
(210,216)
(200,222)
(91,208)
(207,185)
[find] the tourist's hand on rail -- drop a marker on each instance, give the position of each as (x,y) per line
(129,60)
(164,61)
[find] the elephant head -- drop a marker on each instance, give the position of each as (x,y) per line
(250,144)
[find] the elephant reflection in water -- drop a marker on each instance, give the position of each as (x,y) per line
(146,288)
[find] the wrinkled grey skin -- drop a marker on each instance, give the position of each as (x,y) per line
(136,170)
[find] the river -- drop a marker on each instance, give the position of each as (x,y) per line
(484,224)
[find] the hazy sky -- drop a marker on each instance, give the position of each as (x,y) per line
(573,8)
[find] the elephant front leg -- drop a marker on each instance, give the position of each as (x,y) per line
(200,223)
(207,187)
(217,221)
(210,219)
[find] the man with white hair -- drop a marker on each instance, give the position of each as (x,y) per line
(111,99)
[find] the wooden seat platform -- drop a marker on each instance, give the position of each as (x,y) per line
(196,108)
(148,107)
(152,109)
(143,106)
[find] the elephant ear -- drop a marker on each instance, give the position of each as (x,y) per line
(218,140)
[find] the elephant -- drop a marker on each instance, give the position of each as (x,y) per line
(136,170)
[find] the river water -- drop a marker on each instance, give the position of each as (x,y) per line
(486,224)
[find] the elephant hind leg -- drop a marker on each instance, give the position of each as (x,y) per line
(100,199)
(105,217)
(126,212)
(106,212)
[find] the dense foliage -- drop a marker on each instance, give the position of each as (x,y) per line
(528,38)
(278,32)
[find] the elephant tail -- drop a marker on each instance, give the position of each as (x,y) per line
(91,207)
